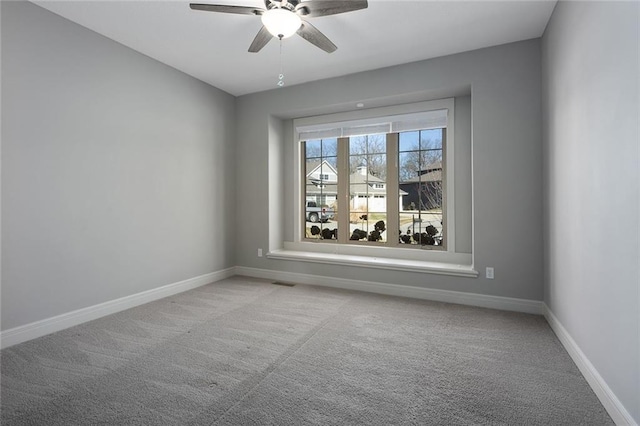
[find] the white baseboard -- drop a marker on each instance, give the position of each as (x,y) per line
(46,326)
(473,299)
(611,403)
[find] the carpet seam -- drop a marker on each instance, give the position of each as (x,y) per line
(282,359)
(285,357)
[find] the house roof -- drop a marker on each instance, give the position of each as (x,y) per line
(431,167)
(358,177)
(431,173)
(434,176)
(314,166)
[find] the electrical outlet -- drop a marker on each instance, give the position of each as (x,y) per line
(259,252)
(489,273)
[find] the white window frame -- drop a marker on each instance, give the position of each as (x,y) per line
(423,259)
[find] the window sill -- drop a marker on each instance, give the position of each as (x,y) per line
(403,265)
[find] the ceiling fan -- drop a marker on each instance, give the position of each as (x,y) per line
(283,18)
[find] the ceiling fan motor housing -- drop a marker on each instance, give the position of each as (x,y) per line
(291,5)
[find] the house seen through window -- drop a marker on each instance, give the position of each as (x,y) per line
(381,188)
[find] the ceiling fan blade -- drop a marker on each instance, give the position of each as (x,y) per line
(315,8)
(262,38)
(314,36)
(240,10)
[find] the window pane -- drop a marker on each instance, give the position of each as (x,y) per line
(421,228)
(376,144)
(408,166)
(329,147)
(409,141)
(368,227)
(358,145)
(321,189)
(328,171)
(422,195)
(420,173)
(431,157)
(321,231)
(367,189)
(356,162)
(313,149)
(431,139)
(377,165)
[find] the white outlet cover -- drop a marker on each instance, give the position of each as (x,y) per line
(489,273)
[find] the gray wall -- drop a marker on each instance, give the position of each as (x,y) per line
(117,171)
(592,277)
(506,156)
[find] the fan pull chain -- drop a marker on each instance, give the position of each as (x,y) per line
(281,75)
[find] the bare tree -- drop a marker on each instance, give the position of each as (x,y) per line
(415,162)
(431,195)
(321,148)
(369,151)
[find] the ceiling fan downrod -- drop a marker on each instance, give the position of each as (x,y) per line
(281,74)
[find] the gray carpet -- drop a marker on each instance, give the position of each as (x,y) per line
(246,352)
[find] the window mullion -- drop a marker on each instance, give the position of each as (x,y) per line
(302,190)
(343,190)
(445,198)
(393,190)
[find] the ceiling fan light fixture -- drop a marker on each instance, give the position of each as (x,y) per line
(281,23)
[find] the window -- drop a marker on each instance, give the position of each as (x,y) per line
(388,188)
(388,201)
(417,216)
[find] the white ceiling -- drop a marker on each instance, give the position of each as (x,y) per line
(213,47)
